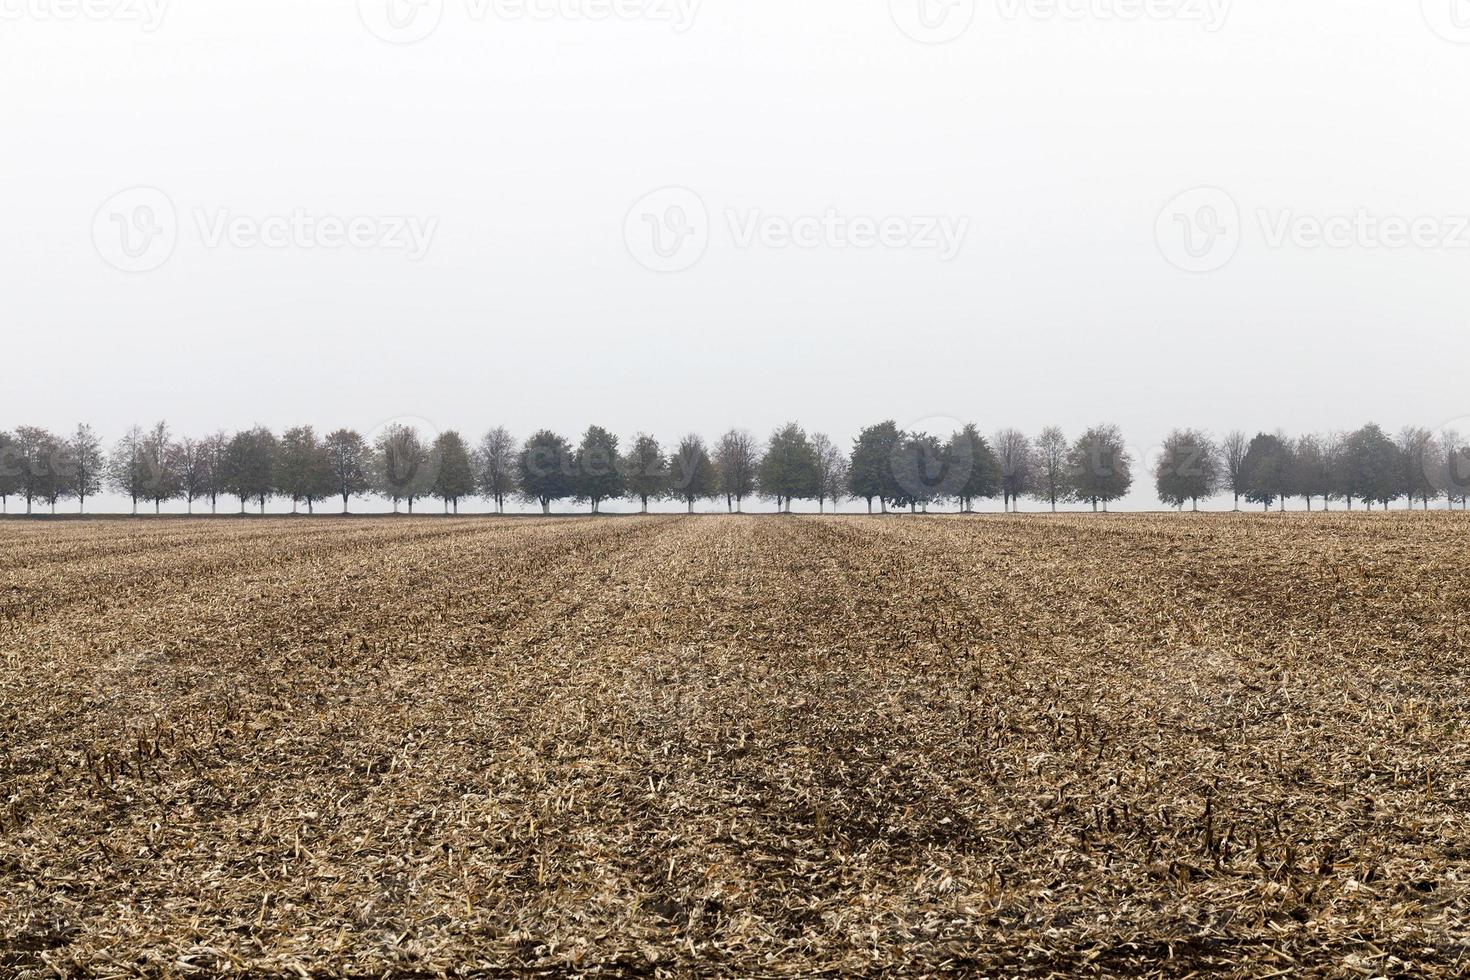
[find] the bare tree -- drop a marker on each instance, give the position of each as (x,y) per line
(215,448)
(190,464)
(1233,449)
(497,462)
(831,472)
(1051,466)
(127,471)
(162,482)
(737,457)
(1017,464)
(88,466)
(1417,449)
(1452,468)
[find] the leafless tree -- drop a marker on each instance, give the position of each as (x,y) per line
(1051,465)
(737,458)
(496,465)
(1233,448)
(1017,463)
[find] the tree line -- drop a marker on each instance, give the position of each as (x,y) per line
(888,468)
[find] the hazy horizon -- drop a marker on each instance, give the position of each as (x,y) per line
(678,216)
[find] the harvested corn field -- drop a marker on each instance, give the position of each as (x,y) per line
(1015,746)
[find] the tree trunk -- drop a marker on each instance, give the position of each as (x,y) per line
(546,507)
(691,505)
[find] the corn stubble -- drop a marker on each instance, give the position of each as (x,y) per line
(1158,745)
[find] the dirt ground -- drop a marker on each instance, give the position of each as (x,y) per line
(1026,745)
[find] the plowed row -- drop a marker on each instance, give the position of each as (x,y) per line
(1143,744)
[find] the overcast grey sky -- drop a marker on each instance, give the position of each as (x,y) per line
(678,215)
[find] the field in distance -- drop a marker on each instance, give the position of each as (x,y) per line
(1015,745)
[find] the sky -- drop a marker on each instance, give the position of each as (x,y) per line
(682,216)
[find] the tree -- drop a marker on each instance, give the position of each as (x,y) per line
(305,470)
(598,476)
(1017,466)
(216,446)
(1452,468)
(645,470)
(1099,468)
(1371,467)
(870,467)
(1417,451)
(736,457)
(1232,453)
(547,469)
(56,477)
(788,471)
(1265,472)
(402,467)
(88,465)
(249,471)
(191,463)
(921,468)
(975,474)
(349,465)
(127,473)
(692,474)
(37,456)
(1051,466)
(831,472)
(162,483)
(495,467)
(9,470)
(1188,469)
(1311,476)
(454,474)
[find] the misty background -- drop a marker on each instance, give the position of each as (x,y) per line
(499,169)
